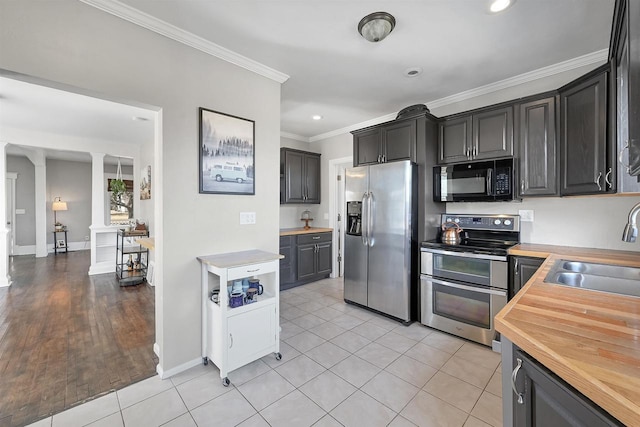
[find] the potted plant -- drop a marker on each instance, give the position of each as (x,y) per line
(118,187)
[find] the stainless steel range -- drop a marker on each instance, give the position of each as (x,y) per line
(464,286)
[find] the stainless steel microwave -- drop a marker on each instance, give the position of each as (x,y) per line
(485,181)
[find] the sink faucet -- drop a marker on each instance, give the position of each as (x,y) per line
(631,229)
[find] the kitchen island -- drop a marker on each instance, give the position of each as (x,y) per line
(589,339)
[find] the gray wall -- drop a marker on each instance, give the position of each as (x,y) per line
(25,199)
(59,41)
(71,181)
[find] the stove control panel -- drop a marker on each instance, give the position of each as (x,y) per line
(484,222)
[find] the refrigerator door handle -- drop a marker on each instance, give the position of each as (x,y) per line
(365,221)
(371,219)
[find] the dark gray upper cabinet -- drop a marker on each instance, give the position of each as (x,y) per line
(537,141)
(366,147)
(299,176)
(547,400)
(584,147)
(624,52)
(387,142)
(483,134)
(454,139)
(493,133)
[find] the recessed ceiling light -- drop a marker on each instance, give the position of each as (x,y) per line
(139,119)
(413,71)
(316,117)
(499,5)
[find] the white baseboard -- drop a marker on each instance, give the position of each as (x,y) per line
(156,349)
(24,250)
(5,281)
(102,268)
(180,368)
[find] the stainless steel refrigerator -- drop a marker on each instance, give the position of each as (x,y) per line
(380,237)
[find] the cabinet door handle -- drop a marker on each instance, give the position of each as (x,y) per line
(474,153)
(253,271)
(598,181)
(230,340)
(522,186)
(515,267)
(606,178)
(468,153)
(626,146)
(384,158)
(514,376)
(379,158)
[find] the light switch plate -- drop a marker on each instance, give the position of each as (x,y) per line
(526,215)
(247,218)
(21,211)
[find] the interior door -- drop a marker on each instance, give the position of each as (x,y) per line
(10,213)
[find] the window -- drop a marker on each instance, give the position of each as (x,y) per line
(121,207)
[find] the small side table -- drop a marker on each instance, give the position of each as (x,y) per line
(55,241)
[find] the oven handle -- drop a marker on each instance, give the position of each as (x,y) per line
(465,254)
(465,287)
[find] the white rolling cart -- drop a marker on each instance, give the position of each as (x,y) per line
(234,337)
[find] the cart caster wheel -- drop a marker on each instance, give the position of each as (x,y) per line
(205,361)
(226,382)
(278,356)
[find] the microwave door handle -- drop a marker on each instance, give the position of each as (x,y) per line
(363,221)
(489,183)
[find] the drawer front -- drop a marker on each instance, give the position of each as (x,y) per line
(286,241)
(304,239)
(251,270)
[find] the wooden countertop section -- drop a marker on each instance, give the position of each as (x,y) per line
(147,242)
(590,339)
(301,230)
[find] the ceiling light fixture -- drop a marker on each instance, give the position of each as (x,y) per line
(376,26)
(413,71)
(499,5)
(316,117)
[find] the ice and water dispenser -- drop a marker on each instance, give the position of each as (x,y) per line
(354,218)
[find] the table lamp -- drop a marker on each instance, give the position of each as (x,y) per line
(58,205)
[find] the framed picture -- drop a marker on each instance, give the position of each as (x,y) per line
(226,154)
(62,244)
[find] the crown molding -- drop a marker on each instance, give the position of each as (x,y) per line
(158,26)
(597,57)
(294,136)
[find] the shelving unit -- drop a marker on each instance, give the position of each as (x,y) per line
(234,337)
(131,258)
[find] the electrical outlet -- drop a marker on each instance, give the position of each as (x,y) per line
(526,215)
(247,218)
(86,238)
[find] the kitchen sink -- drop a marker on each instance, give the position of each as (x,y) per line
(598,277)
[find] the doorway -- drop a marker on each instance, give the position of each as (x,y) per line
(336,208)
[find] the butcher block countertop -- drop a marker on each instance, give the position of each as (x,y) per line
(301,230)
(590,339)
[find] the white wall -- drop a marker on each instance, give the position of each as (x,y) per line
(290,214)
(70,42)
(336,147)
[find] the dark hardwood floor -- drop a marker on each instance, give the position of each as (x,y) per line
(66,336)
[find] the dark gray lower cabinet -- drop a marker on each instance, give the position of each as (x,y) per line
(547,400)
(310,259)
(521,269)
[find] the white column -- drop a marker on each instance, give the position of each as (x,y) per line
(39,160)
(42,228)
(97,190)
(5,278)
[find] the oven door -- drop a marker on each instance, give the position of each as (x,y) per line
(464,183)
(464,310)
(481,269)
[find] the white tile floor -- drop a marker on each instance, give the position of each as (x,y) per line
(341,365)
